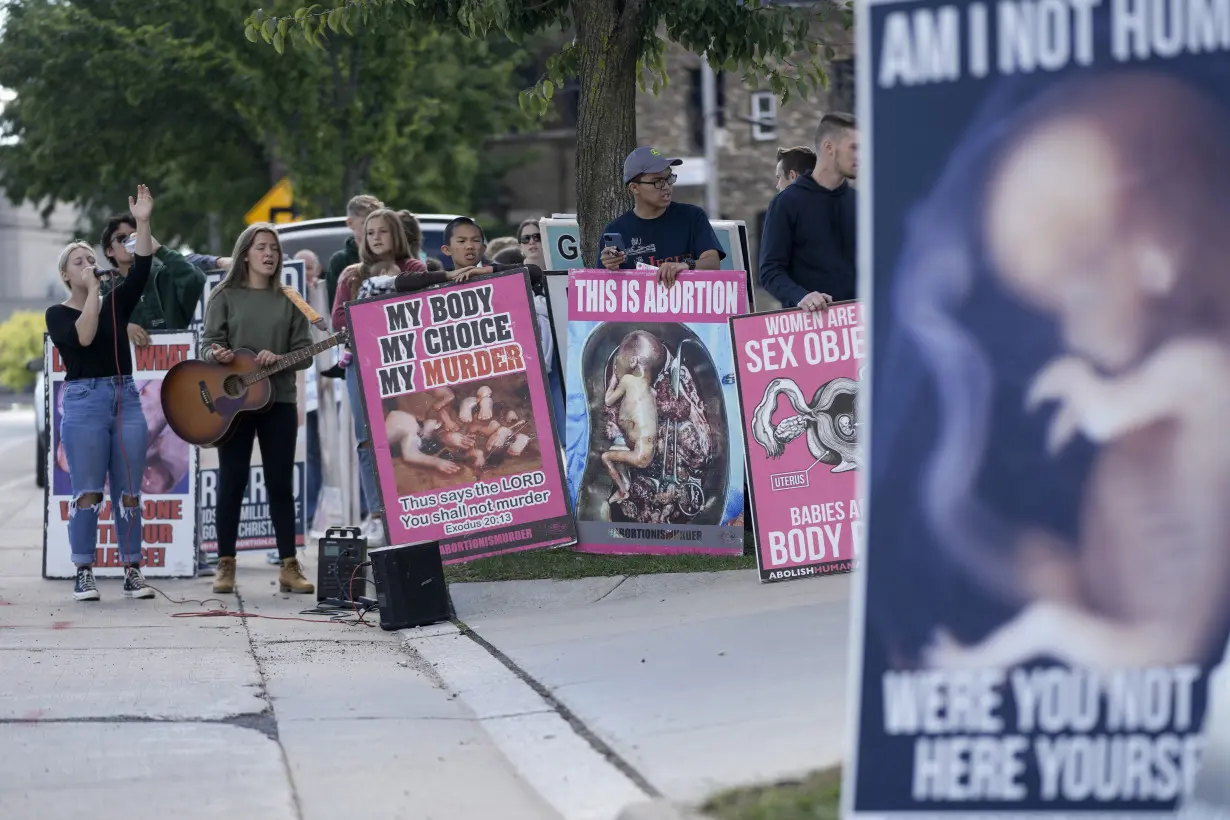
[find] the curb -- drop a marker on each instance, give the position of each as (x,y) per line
(554,757)
(660,810)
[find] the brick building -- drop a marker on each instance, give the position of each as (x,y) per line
(752,122)
(752,125)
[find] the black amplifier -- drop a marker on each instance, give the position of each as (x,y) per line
(410,586)
(341,550)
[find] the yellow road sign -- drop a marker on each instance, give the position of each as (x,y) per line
(277,206)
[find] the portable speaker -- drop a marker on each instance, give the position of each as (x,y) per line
(410,586)
(340,551)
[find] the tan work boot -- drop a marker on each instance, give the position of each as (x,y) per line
(224,581)
(291,578)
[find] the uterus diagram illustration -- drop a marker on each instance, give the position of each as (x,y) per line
(829,422)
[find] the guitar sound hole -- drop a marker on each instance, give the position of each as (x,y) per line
(233,385)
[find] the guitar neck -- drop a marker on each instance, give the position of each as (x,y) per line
(292,359)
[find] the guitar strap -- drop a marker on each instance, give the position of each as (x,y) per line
(304,308)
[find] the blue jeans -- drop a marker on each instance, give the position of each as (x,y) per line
(313,466)
(367,458)
(105,436)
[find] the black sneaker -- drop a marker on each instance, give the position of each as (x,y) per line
(85,589)
(134,584)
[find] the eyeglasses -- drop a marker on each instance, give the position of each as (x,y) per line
(660,184)
(530,237)
(121,237)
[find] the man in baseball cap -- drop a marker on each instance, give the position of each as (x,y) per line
(658,233)
(647,161)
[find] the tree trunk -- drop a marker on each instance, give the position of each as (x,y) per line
(607,34)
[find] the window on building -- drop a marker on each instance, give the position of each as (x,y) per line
(841,86)
(764,116)
(696,108)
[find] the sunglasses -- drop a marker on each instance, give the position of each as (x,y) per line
(530,237)
(121,237)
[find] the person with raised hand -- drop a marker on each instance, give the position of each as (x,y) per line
(102,426)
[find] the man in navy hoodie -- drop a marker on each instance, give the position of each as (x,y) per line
(807,249)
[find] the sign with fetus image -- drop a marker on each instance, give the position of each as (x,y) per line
(1043,608)
(654,449)
(168,483)
(799,376)
(455,393)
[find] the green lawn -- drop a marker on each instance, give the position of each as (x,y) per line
(564,563)
(816,797)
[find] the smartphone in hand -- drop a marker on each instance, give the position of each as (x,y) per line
(613,240)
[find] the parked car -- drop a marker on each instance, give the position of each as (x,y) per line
(328,235)
(40,421)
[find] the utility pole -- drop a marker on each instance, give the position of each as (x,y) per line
(214,221)
(708,91)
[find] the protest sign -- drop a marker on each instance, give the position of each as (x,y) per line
(799,376)
(654,449)
(1045,592)
(168,483)
(255,525)
(455,393)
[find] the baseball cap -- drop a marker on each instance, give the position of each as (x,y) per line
(646,160)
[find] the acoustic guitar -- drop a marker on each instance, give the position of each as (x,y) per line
(202,400)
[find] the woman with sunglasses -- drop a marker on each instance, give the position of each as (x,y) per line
(529,239)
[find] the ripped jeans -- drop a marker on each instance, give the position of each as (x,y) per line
(105,435)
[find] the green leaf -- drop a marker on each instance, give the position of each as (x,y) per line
(250,33)
(335,20)
(268,27)
(279,42)
(548,89)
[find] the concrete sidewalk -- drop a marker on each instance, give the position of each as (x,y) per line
(691,683)
(564,700)
(117,710)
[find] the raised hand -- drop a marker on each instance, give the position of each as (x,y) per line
(142,206)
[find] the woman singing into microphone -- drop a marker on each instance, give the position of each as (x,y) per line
(249,309)
(102,427)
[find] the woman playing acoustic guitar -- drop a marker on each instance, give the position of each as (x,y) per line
(248,309)
(102,426)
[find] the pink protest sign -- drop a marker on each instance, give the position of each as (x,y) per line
(456,401)
(799,376)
